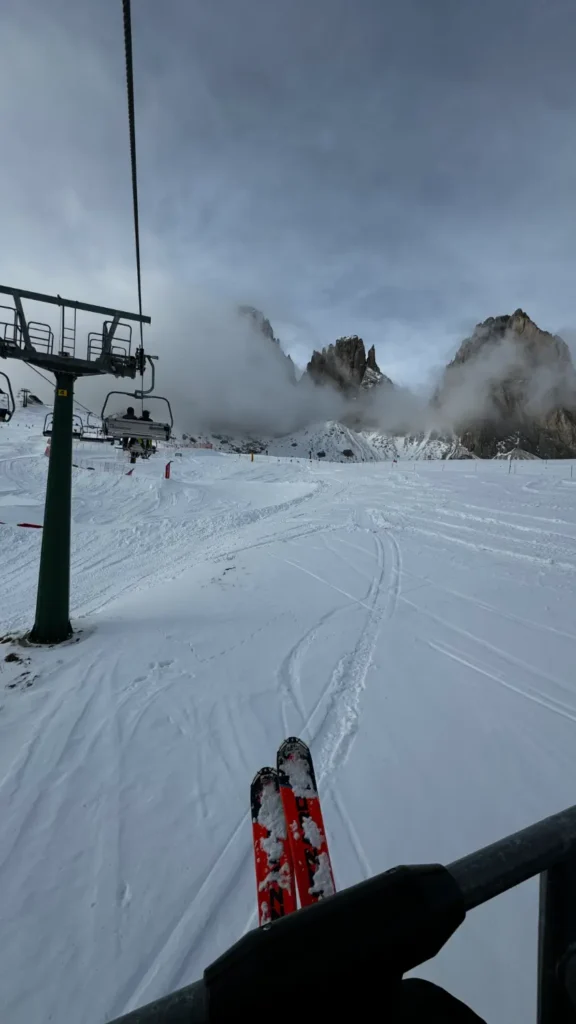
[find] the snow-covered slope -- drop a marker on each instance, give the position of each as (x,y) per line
(516,453)
(413,623)
(416,446)
(331,440)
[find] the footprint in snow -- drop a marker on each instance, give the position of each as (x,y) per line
(125,895)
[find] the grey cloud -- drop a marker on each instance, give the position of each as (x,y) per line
(392,169)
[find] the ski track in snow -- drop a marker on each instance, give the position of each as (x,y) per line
(225,609)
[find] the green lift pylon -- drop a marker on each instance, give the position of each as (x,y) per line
(35,343)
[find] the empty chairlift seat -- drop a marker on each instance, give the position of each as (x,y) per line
(77,426)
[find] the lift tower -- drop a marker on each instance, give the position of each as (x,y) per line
(107,351)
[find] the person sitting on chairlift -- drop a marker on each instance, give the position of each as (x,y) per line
(146,443)
(128,415)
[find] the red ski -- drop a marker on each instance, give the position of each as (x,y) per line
(303,814)
(274,871)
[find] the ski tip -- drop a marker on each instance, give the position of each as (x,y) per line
(261,775)
(291,752)
(293,745)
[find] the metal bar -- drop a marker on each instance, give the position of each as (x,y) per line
(510,861)
(52,623)
(57,300)
(417,910)
(141,393)
(108,335)
(556,936)
(23,322)
(413,926)
(186,1006)
(120,427)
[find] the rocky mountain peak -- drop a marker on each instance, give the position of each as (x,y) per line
(534,346)
(346,365)
(371,363)
(512,383)
(260,321)
(263,327)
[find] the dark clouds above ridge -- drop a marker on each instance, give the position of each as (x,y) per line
(399,170)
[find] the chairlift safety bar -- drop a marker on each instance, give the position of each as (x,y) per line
(119,428)
(387,926)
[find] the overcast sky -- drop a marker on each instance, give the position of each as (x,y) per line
(400,169)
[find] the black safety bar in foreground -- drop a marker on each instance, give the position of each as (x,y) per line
(350,951)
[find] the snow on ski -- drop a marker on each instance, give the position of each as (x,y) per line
(305,825)
(273,861)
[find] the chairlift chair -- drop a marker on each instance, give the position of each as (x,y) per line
(93,432)
(77,426)
(121,427)
(7,412)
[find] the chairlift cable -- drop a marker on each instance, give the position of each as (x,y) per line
(131,122)
(51,383)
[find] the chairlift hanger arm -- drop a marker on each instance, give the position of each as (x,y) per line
(138,393)
(108,335)
(56,300)
(141,392)
(11,402)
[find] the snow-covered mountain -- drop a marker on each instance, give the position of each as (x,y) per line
(510,385)
(336,442)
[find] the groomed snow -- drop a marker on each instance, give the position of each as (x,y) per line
(414,623)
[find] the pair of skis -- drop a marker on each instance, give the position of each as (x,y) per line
(290,848)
